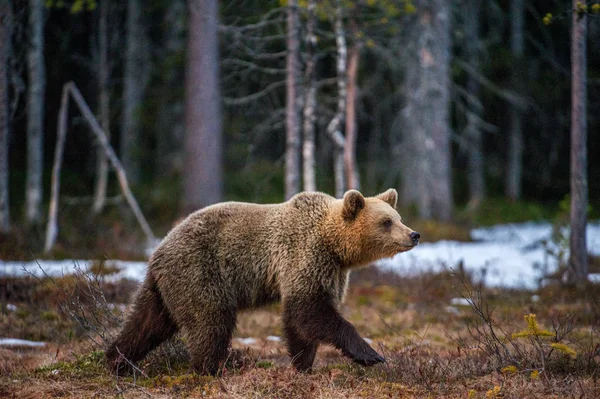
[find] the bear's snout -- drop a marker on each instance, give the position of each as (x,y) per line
(415,237)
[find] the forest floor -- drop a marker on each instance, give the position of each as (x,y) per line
(441,336)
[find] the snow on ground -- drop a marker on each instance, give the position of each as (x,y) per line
(20,342)
(503,255)
(56,268)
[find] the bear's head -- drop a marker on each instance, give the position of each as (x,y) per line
(372,228)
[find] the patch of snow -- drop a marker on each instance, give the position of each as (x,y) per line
(57,268)
(20,342)
(503,255)
(460,302)
(594,277)
(10,307)
(274,338)
(368,340)
(247,341)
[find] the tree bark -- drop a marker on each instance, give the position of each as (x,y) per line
(135,81)
(352,176)
(310,103)
(335,125)
(103,100)
(203,183)
(35,112)
(578,260)
(425,148)
(292,117)
(5,53)
(515,136)
(476,168)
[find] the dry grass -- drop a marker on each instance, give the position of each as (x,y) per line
(432,349)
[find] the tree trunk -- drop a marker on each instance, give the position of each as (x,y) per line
(578,260)
(35,112)
(515,136)
(476,169)
(134,87)
(425,148)
(292,117)
(310,103)
(5,52)
(171,131)
(203,183)
(103,100)
(352,176)
(335,126)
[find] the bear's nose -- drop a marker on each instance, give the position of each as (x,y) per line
(415,237)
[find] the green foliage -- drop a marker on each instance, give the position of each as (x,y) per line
(500,210)
(76,7)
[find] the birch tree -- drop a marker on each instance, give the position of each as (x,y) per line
(335,125)
(310,102)
(5,51)
(203,183)
(35,112)
(292,114)
(578,260)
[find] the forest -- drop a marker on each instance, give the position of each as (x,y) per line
(120,117)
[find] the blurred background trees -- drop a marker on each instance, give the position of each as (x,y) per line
(462,105)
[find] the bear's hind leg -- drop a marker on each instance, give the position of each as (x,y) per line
(209,335)
(301,351)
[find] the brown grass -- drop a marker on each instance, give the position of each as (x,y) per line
(432,350)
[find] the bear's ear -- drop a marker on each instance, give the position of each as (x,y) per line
(390,196)
(353,203)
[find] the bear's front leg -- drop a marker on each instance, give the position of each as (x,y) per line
(302,352)
(315,318)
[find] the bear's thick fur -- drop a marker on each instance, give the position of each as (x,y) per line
(234,256)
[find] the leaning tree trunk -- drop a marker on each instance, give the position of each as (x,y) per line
(35,112)
(203,182)
(515,136)
(292,115)
(578,260)
(5,51)
(135,81)
(310,102)
(103,76)
(475,171)
(426,162)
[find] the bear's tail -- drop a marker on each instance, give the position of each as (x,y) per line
(148,325)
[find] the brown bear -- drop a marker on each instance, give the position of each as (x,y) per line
(234,256)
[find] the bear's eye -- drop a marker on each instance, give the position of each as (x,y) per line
(387,223)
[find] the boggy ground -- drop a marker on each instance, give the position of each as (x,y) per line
(441,335)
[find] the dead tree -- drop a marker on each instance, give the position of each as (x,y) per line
(70,90)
